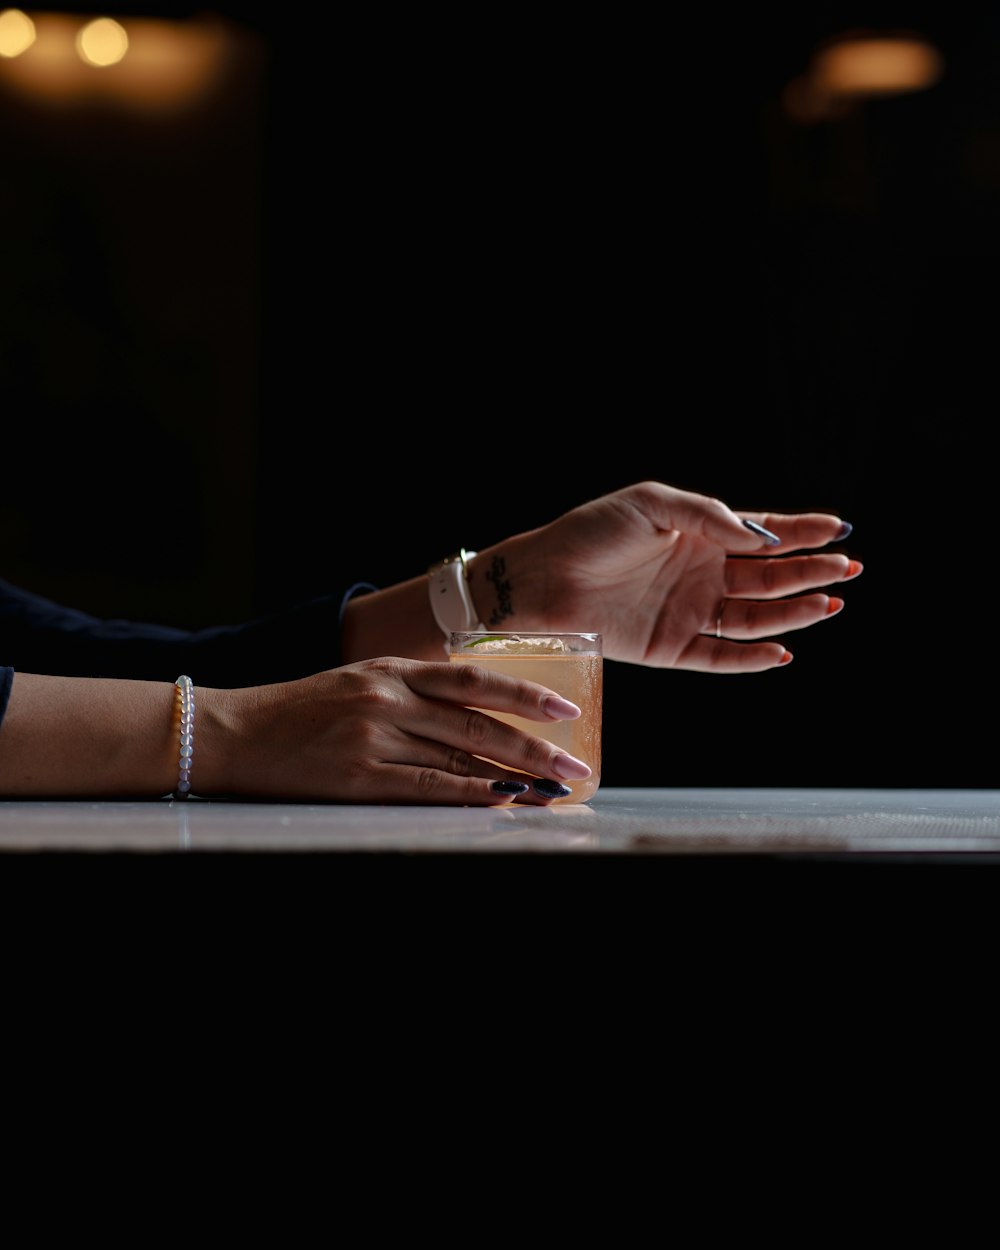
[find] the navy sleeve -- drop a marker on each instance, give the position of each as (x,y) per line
(39,636)
(6,681)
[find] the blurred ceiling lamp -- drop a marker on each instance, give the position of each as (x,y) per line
(876,65)
(17,32)
(56,58)
(861,65)
(102,42)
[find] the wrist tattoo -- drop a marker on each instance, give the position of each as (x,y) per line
(497,574)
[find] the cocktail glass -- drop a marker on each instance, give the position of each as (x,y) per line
(572,664)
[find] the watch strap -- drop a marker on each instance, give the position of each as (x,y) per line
(448,587)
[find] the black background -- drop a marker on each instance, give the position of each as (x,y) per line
(413,283)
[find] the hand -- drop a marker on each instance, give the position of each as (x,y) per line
(387,730)
(657,571)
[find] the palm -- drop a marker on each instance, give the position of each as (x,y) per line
(648,593)
(675,579)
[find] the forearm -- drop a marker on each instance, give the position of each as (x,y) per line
(103,736)
(506,584)
(394,621)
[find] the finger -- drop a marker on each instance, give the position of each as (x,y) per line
(669,508)
(472,685)
(790,575)
(741,619)
(710,655)
(447,713)
(452,739)
(802,529)
(405,784)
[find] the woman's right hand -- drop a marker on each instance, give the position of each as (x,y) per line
(386,730)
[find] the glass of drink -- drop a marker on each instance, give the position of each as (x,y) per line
(572,665)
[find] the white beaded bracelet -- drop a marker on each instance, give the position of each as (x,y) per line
(185,694)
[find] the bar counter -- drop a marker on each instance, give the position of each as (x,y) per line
(848,824)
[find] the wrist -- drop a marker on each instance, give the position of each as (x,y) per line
(505,586)
(449,594)
(218,741)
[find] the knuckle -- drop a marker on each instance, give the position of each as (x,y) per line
(472,678)
(356,772)
(458,762)
(376,696)
(536,754)
(478,728)
(428,782)
(769,575)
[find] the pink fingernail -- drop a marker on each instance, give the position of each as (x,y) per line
(560,709)
(570,767)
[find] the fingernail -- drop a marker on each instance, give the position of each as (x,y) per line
(834,605)
(509,787)
(754,528)
(559,708)
(845,529)
(551,789)
(570,767)
(853,569)
(785,659)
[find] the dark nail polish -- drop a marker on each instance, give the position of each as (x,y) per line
(509,787)
(845,529)
(550,789)
(754,528)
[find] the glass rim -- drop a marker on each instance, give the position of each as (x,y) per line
(590,637)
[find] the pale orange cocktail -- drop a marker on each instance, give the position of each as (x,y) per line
(572,664)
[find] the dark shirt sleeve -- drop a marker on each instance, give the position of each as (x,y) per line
(6,678)
(39,636)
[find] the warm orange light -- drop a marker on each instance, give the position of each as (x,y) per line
(102,42)
(146,63)
(856,66)
(876,65)
(17,32)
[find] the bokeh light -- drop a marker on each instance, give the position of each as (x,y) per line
(17,32)
(102,42)
(876,65)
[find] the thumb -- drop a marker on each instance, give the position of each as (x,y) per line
(715,520)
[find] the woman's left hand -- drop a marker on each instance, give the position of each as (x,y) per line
(674,579)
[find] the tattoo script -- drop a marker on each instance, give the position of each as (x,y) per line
(497,574)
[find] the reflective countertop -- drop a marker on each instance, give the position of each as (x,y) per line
(618,822)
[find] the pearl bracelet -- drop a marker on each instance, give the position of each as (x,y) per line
(185,696)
